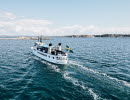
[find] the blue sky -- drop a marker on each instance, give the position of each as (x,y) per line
(75,16)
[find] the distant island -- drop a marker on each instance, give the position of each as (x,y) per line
(72,36)
(104,35)
(23,38)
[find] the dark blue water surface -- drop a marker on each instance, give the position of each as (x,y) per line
(98,70)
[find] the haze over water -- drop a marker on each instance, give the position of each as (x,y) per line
(98,70)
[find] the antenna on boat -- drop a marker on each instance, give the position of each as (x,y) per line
(38,38)
(41,38)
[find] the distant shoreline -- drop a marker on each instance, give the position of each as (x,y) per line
(104,35)
(71,36)
(22,38)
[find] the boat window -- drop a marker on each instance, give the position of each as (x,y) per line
(53,57)
(49,56)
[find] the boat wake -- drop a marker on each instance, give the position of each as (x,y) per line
(67,76)
(52,66)
(100,73)
(82,85)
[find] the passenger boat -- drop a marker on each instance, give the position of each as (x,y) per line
(49,53)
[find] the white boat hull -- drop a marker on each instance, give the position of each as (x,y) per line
(50,58)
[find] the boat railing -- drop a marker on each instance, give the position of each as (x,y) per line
(61,58)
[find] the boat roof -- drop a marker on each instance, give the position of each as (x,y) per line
(39,43)
(46,46)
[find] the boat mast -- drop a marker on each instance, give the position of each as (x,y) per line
(38,38)
(41,38)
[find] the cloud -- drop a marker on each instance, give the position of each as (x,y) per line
(10,24)
(7,16)
(91,30)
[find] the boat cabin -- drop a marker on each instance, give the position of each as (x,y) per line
(46,48)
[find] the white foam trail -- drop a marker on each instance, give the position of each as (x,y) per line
(104,74)
(73,80)
(76,82)
(121,81)
(54,67)
(35,57)
(85,68)
(95,96)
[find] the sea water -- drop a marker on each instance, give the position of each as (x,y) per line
(99,69)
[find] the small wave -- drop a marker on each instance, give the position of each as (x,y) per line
(34,57)
(96,72)
(8,68)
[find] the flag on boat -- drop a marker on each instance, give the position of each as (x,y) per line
(68,49)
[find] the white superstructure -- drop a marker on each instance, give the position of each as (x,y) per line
(50,54)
